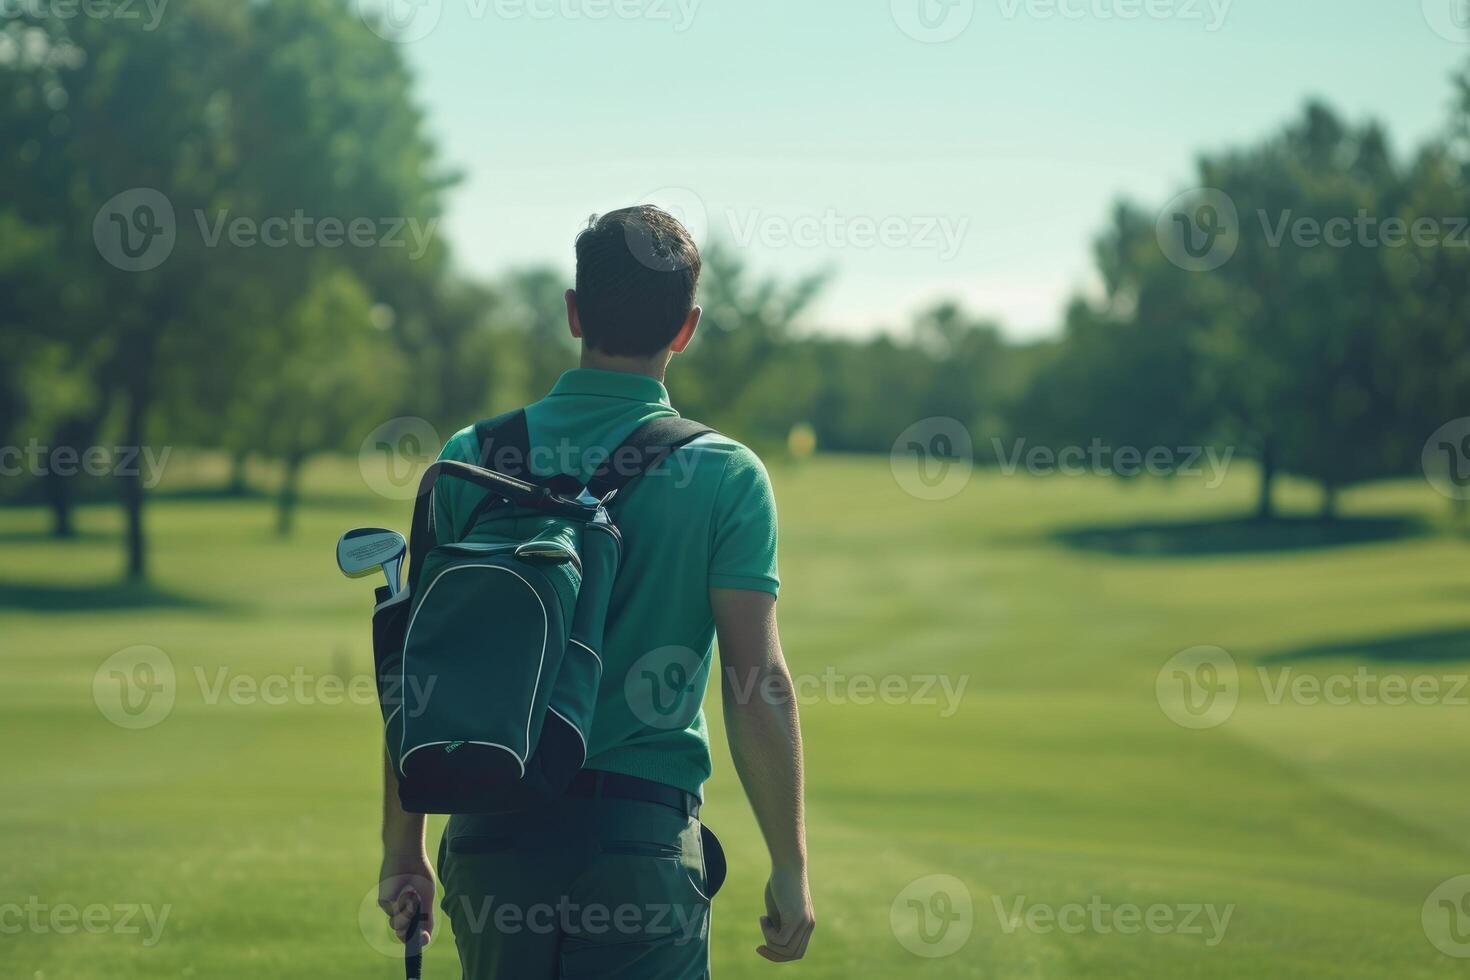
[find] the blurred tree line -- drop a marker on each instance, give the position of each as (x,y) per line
(1330,343)
(1332,363)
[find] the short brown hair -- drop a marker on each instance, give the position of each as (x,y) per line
(637,269)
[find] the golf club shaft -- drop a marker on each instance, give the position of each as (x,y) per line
(393,570)
(413,958)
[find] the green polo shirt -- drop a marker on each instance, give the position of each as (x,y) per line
(703,518)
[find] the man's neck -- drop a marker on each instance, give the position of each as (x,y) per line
(652,367)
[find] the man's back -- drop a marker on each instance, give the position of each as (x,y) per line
(704,518)
(699,557)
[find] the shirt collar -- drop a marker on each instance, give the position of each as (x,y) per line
(611,384)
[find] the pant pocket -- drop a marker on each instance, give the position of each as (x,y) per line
(715,865)
(638,912)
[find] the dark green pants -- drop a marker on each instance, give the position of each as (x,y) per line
(603,887)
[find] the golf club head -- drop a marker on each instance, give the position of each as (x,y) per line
(544,553)
(364,550)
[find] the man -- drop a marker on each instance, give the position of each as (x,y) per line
(611,881)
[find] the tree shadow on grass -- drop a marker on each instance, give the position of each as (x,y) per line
(1427,646)
(328,499)
(47,536)
(1237,536)
(97,597)
(208,493)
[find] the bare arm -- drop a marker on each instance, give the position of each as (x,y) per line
(406,880)
(765,742)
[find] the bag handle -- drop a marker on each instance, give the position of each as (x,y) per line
(503,444)
(498,485)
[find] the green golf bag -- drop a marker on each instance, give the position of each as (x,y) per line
(488,662)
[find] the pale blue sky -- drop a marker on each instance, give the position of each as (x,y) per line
(816,119)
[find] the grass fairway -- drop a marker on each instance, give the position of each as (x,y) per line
(1057,785)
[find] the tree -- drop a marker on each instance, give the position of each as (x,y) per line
(46,309)
(221,111)
(533,312)
(746,321)
(1129,370)
(1295,334)
(335,367)
(969,376)
(1428,345)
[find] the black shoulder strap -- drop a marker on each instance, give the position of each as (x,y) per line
(503,444)
(647,446)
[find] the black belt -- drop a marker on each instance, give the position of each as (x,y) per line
(594,783)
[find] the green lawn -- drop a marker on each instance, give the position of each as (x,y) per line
(1058,781)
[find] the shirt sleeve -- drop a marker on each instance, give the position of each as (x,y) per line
(743,528)
(449,495)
